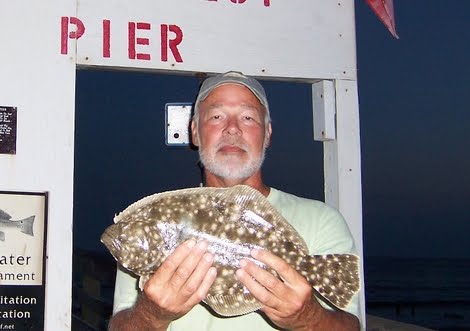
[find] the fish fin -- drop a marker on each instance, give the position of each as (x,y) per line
(335,277)
(233,305)
(245,196)
(2,236)
(4,215)
(27,225)
(142,280)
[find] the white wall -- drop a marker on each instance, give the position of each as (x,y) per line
(39,81)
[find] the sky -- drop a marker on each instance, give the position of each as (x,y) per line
(415,129)
(414,96)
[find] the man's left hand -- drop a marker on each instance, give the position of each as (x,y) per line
(288,301)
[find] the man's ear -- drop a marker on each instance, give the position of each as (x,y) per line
(267,138)
(194,136)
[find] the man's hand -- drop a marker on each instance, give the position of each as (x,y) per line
(289,301)
(182,281)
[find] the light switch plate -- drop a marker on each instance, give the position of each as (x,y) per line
(178,116)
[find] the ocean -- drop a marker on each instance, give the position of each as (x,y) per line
(433,293)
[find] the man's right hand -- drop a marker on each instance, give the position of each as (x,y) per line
(180,283)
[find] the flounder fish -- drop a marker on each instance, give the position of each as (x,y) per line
(233,221)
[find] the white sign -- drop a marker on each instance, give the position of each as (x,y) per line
(309,39)
(22,229)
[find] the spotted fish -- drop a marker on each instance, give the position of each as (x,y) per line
(24,225)
(233,221)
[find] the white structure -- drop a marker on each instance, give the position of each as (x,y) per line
(43,43)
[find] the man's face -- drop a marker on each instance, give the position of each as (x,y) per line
(232,134)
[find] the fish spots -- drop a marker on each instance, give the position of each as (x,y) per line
(233,221)
(227,272)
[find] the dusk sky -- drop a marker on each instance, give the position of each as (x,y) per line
(415,129)
(414,97)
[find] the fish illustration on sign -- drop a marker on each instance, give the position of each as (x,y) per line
(233,221)
(24,225)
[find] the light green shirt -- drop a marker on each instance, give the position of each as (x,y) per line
(323,229)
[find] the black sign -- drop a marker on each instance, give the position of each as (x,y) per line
(7,130)
(22,308)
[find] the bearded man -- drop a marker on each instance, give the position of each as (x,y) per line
(232,128)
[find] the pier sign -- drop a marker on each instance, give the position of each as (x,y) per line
(23,219)
(305,39)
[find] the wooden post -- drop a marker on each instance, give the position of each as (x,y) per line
(342,166)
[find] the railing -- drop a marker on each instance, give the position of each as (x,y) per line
(93,286)
(411,306)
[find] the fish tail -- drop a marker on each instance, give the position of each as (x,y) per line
(334,276)
(27,225)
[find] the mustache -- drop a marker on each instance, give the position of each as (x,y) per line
(232,142)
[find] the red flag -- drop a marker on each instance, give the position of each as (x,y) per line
(384,10)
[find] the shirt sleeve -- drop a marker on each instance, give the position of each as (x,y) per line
(125,290)
(332,233)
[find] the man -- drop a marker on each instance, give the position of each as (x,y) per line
(232,128)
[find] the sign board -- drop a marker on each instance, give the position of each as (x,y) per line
(8,130)
(307,39)
(22,260)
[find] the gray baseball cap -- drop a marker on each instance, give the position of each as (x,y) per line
(232,77)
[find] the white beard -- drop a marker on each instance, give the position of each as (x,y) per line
(230,166)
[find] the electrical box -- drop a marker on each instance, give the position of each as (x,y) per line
(178,117)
